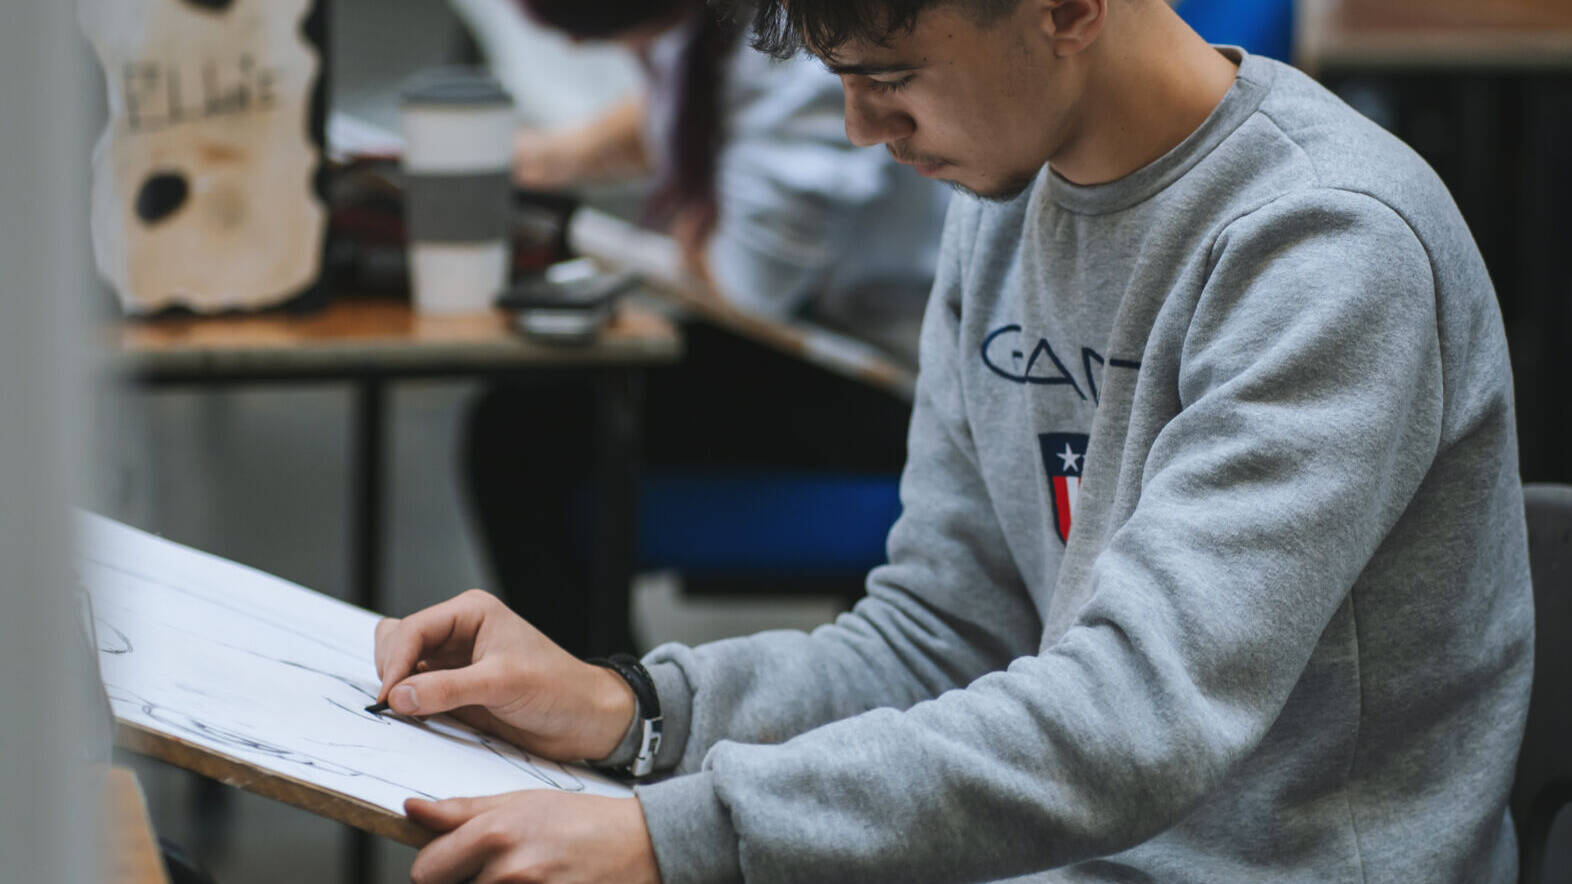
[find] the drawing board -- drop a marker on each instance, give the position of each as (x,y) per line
(256,681)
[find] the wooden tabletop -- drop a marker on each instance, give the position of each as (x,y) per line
(356,336)
(831,350)
(129,851)
(1342,34)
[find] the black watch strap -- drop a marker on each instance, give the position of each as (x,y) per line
(650,723)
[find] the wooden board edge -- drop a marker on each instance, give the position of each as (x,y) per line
(871,367)
(128,848)
(1514,50)
(280,787)
(1320,45)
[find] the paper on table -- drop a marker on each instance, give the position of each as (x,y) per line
(350,136)
(624,244)
(268,672)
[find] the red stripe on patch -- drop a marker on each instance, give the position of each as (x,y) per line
(1061,502)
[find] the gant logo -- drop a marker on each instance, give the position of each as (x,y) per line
(1011,355)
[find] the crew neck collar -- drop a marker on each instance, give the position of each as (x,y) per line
(1251,84)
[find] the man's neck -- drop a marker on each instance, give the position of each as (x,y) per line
(1146,91)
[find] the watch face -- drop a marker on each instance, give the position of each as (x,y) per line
(644,762)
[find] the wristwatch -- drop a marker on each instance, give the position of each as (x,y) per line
(648,712)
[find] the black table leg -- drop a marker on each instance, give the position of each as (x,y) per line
(366,531)
(366,519)
(618,401)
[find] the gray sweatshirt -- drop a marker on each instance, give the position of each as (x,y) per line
(1212,563)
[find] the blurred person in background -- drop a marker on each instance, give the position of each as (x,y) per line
(774,209)
(752,172)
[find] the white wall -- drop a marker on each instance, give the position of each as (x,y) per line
(376,44)
(553,81)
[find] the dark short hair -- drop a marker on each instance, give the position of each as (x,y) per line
(785,27)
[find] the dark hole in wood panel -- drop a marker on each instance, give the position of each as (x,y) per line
(161,195)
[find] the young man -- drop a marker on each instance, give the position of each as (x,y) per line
(1212,565)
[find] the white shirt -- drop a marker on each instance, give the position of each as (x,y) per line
(806,221)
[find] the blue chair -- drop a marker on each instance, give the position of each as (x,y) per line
(799,527)
(1262,27)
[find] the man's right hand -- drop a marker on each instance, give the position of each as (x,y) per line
(475,658)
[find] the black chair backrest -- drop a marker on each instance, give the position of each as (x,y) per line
(1544,766)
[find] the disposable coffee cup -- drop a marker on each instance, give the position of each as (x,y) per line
(458,134)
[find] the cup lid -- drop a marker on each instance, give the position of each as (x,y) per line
(455,86)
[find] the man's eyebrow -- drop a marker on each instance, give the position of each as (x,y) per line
(868,68)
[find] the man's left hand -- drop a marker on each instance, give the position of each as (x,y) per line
(536,836)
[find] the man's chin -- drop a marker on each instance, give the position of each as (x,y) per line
(997,192)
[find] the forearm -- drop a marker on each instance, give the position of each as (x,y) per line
(612,144)
(607,147)
(1007,776)
(891,652)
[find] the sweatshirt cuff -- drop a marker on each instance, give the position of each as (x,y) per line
(676,710)
(623,755)
(691,830)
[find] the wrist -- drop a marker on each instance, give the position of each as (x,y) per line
(615,708)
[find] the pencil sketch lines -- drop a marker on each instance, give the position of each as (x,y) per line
(529,767)
(361,714)
(234,664)
(219,603)
(560,778)
(232,739)
(453,729)
(110,639)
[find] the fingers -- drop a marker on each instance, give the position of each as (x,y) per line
(441,690)
(403,644)
(447,815)
(452,859)
(433,815)
(473,837)
(385,628)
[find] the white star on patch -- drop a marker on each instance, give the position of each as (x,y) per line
(1069,457)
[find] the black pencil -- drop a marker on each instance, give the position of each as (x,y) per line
(377,708)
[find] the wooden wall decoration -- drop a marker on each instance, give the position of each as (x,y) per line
(206,182)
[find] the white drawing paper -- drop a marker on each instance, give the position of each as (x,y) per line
(275,675)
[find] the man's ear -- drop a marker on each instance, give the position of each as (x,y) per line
(1072,26)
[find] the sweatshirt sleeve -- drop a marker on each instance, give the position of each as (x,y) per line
(949,607)
(1310,390)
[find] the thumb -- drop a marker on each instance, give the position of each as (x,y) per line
(445,816)
(442,690)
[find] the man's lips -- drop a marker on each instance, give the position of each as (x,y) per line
(924,165)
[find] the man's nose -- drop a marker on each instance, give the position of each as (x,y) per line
(868,123)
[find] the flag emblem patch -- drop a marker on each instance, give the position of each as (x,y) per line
(1064,458)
